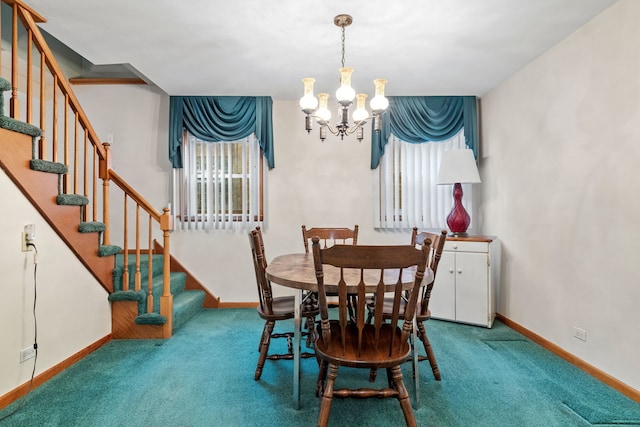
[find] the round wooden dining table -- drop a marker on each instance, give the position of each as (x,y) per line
(297,271)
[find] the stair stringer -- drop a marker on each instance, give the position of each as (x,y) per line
(41,189)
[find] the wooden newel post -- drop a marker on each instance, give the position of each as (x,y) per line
(105,167)
(166,301)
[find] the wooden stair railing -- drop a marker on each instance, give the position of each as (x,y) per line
(69,139)
(164,221)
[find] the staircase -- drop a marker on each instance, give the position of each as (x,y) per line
(70,179)
(186,303)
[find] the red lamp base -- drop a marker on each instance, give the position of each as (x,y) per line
(458,219)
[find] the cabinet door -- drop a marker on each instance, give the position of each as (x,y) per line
(472,276)
(443,296)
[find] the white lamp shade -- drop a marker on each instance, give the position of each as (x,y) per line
(458,166)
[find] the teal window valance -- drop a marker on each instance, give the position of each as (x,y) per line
(418,119)
(220,118)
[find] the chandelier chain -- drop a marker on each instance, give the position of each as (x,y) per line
(343,38)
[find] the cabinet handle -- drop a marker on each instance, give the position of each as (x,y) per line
(459,271)
(451,270)
(455,246)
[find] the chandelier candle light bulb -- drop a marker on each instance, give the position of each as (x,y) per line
(317,108)
(345,92)
(379,102)
(323,112)
(308,102)
(361,113)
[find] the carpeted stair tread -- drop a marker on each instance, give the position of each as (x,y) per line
(47,166)
(108,250)
(151,319)
(139,296)
(131,259)
(5,84)
(20,127)
(177,282)
(118,271)
(91,227)
(186,305)
(71,200)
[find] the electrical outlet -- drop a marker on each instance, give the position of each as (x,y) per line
(27,353)
(25,247)
(28,236)
(581,334)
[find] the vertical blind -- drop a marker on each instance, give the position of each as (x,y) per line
(218,185)
(405,185)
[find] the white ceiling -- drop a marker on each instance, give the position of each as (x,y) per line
(265,48)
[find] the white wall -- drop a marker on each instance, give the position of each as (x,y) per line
(560,179)
(72,308)
(136,116)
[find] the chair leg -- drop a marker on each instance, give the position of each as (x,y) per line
(264,348)
(264,328)
(322,377)
(327,396)
(422,334)
(311,331)
(403,397)
(369,317)
(373,372)
(352,307)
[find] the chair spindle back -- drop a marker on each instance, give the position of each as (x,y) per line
(437,246)
(265,294)
(330,236)
(371,269)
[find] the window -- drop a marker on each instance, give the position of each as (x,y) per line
(219,186)
(405,185)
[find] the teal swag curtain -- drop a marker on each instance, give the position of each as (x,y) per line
(417,119)
(220,118)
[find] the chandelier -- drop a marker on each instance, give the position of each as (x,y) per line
(316,108)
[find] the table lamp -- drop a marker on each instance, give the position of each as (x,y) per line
(458,167)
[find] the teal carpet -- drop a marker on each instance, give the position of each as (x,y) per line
(203,376)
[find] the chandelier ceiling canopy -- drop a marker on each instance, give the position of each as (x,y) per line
(316,108)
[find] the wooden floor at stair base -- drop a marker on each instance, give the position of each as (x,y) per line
(123,325)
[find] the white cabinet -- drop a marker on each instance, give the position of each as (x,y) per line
(467,281)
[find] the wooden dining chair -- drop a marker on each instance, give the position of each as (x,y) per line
(422,314)
(330,236)
(274,309)
(342,342)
